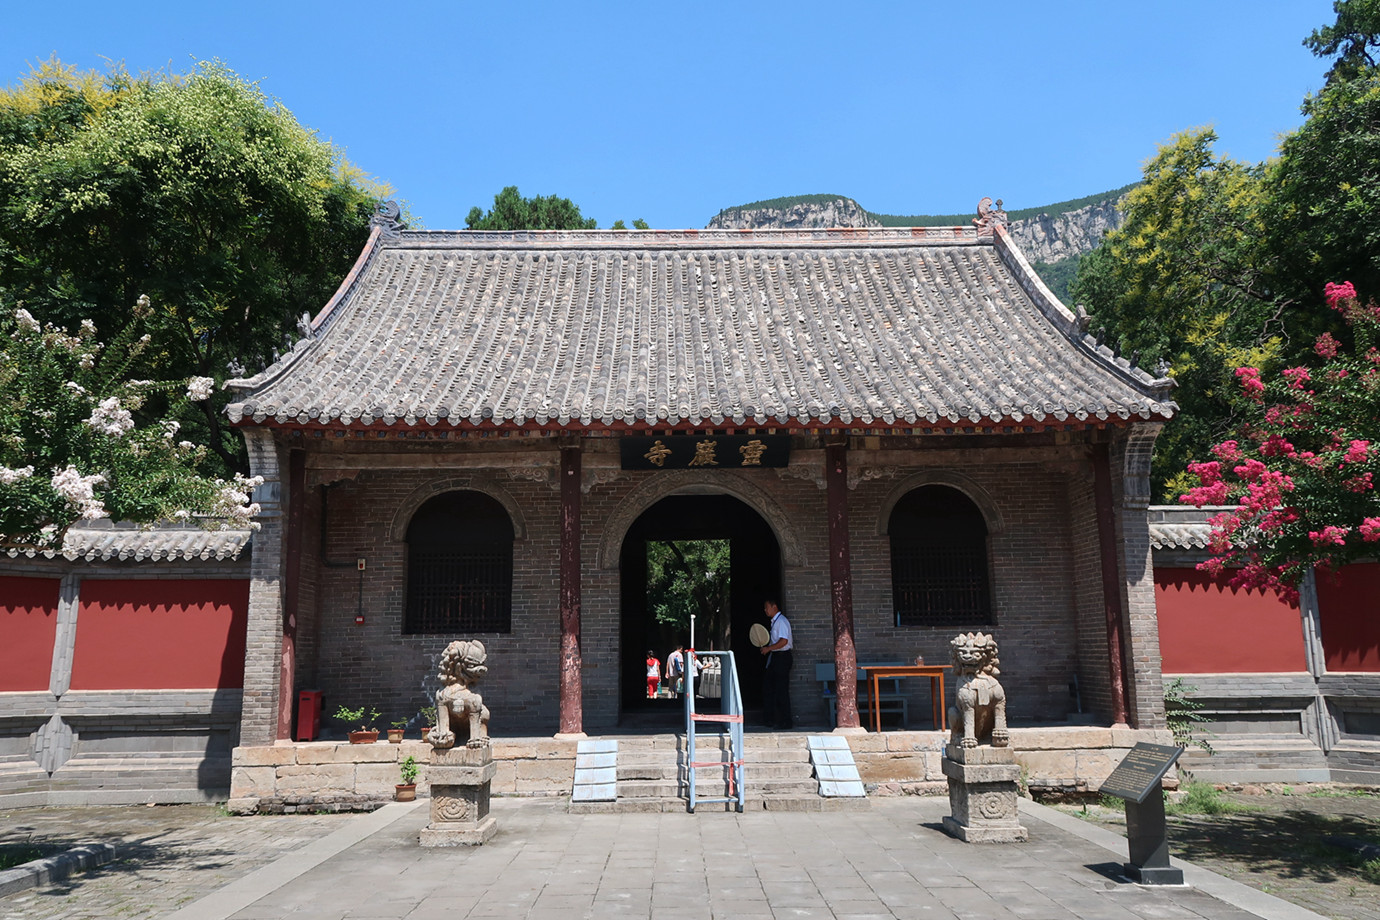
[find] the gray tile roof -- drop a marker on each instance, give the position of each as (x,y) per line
(103,541)
(856,326)
(1181,526)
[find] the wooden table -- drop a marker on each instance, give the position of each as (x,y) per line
(935,672)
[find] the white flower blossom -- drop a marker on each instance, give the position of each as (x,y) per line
(181,514)
(111,418)
(232,502)
(48,534)
(9,477)
(170,428)
(88,327)
(200,388)
(87,361)
(186,445)
(80,492)
(26,320)
(76,387)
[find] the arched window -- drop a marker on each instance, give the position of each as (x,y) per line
(939,560)
(459,566)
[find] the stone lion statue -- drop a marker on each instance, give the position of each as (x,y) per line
(979,716)
(459,710)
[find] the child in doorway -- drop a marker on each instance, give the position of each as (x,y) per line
(653,674)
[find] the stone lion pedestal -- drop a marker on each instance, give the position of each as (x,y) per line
(460,779)
(982,795)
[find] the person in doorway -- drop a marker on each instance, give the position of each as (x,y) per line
(776,680)
(653,674)
(675,671)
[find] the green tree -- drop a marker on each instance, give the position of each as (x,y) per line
(1353,39)
(686,577)
(194,189)
(1184,284)
(513,212)
(1324,209)
(638,224)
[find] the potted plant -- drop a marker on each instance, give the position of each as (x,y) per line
(406,791)
(366,733)
(428,714)
(395,734)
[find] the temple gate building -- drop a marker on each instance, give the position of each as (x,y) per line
(901,433)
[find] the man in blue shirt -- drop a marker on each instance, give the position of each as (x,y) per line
(776,680)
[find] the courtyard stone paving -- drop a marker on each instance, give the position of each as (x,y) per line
(891,860)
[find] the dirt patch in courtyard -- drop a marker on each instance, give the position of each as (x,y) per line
(1317,846)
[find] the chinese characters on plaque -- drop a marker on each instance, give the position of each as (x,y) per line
(684,451)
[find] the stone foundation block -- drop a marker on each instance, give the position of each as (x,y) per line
(263,756)
(255,782)
(316,779)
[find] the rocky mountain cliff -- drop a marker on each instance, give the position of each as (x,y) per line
(1049,234)
(801,215)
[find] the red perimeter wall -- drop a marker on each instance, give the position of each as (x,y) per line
(1209,628)
(28,625)
(1349,611)
(142,634)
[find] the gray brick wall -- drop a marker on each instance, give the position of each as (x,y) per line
(1046,582)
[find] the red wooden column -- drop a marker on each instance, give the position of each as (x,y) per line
(572,705)
(292,582)
(1111,579)
(841,583)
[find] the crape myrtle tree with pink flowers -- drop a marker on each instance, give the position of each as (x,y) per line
(1301,474)
(75,443)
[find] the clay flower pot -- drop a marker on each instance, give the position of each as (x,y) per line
(363,737)
(395,735)
(405,792)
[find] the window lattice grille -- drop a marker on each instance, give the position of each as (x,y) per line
(940,584)
(460,590)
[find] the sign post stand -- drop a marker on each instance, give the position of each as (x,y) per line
(1137,780)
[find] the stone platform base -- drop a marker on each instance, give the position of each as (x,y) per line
(460,789)
(459,835)
(982,795)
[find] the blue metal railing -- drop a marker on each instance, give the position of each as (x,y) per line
(730,714)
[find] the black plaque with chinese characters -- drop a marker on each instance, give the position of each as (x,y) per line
(1140,771)
(705,452)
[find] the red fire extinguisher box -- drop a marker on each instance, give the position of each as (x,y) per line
(309,704)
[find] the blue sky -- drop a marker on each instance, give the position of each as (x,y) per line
(671,111)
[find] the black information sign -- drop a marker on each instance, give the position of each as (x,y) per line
(1140,772)
(705,452)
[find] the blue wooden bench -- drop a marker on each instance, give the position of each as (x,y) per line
(890,698)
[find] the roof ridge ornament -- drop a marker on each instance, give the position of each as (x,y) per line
(989,217)
(387,216)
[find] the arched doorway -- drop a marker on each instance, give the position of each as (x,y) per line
(754,575)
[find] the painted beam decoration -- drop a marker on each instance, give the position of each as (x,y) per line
(705,452)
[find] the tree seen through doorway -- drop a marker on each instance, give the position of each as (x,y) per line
(691,577)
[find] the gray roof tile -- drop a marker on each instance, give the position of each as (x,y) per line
(874,327)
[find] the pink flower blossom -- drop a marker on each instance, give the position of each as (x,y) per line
(1370,529)
(1335,294)
(1251,382)
(1227,452)
(1326,346)
(1357,452)
(1276,446)
(1331,534)
(1297,377)
(1250,471)
(1363,483)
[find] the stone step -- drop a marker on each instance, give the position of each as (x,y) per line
(791,770)
(641,789)
(801,803)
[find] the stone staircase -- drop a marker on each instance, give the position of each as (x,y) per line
(777,774)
